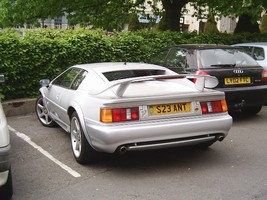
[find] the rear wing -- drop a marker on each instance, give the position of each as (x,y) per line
(202,81)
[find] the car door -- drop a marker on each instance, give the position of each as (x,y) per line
(60,91)
(69,95)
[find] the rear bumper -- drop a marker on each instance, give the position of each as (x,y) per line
(157,133)
(4,164)
(245,96)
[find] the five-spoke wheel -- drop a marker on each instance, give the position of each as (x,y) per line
(82,150)
(42,113)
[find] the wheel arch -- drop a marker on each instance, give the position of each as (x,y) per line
(74,107)
(42,91)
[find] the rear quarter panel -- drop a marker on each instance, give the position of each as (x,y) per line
(4,133)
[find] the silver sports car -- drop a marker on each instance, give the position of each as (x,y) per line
(120,107)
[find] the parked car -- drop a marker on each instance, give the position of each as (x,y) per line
(258,50)
(120,107)
(240,77)
(6,187)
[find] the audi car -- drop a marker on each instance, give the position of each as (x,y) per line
(240,76)
(121,107)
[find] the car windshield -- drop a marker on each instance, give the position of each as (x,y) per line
(123,74)
(225,58)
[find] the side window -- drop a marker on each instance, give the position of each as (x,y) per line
(177,59)
(258,53)
(159,58)
(77,81)
(248,50)
(66,79)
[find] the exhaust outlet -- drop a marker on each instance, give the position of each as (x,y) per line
(122,150)
(220,138)
(240,104)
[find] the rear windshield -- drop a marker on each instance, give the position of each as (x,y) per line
(225,57)
(123,74)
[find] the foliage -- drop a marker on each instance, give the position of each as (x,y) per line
(110,15)
(38,54)
(246,10)
(134,23)
(234,8)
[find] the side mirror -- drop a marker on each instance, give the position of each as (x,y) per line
(44,82)
(2,78)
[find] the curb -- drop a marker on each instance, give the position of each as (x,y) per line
(19,107)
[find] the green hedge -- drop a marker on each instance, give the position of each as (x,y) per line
(26,58)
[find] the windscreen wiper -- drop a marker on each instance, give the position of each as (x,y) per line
(223,65)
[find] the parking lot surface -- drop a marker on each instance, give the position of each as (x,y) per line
(44,168)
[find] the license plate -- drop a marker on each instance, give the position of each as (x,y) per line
(237,80)
(165,109)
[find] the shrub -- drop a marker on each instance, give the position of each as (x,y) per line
(38,54)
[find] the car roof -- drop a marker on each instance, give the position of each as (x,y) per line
(116,66)
(257,44)
(202,46)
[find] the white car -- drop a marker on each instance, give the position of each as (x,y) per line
(258,50)
(6,188)
(120,107)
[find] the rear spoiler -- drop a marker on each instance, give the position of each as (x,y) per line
(202,81)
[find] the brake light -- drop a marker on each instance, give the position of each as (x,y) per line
(214,106)
(199,72)
(119,114)
(264,75)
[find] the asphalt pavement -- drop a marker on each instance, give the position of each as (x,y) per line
(234,169)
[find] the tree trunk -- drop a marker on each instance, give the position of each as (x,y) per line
(263,26)
(173,10)
(244,24)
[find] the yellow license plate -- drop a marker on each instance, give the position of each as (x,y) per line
(237,80)
(174,108)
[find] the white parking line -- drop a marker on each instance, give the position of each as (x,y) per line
(44,152)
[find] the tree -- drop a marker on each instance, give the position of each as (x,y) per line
(245,24)
(173,10)
(20,12)
(99,13)
(113,14)
(211,25)
(263,26)
(247,11)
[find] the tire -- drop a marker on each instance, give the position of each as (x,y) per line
(6,191)
(81,149)
(251,110)
(42,113)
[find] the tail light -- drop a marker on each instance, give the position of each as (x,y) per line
(119,114)
(214,106)
(199,72)
(264,75)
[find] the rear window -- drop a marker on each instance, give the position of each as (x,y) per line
(124,74)
(225,57)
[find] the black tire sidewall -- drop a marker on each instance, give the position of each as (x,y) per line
(6,191)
